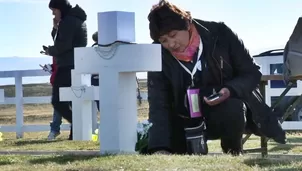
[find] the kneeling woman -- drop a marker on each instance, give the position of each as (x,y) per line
(200,59)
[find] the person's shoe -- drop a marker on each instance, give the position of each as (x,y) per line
(233,152)
(70,135)
(52,136)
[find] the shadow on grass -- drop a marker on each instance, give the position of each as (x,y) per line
(31,142)
(288,169)
(283,147)
(2,163)
(272,162)
(266,162)
(292,142)
(65,159)
(295,140)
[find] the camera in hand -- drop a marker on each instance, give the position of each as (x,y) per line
(45,48)
(214,96)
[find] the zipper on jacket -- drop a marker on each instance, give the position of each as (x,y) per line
(222,61)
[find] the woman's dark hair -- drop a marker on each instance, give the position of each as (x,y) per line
(166,17)
(63,5)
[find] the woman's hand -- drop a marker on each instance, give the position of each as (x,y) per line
(55,23)
(224,92)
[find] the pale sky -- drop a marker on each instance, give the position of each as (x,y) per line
(26,24)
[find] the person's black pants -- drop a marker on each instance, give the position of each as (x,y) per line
(227,122)
(62,79)
(95,82)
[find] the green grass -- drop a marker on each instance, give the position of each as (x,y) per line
(37,114)
(37,141)
(155,162)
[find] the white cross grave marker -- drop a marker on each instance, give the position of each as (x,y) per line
(117,66)
(82,95)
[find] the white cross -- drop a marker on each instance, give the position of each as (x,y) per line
(117,79)
(82,95)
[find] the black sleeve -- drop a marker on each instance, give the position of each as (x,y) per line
(63,42)
(286,70)
(53,33)
(160,100)
(247,75)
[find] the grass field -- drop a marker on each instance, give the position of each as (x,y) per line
(146,163)
(37,142)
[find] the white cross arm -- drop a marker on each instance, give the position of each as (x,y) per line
(81,97)
(127,58)
(79,92)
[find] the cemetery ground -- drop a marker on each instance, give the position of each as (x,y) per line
(281,157)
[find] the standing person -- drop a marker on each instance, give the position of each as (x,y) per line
(57,118)
(200,59)
(71,33)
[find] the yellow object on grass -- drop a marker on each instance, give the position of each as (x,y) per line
(95,136)
(1,139)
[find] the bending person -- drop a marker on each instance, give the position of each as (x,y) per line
(200,59)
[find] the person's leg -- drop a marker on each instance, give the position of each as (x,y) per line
(227,121)
(56,122)
(62,79)
(95,82)
(70,134)
(55,126)
(97,104)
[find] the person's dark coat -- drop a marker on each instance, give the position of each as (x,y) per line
(72,33)
(225,63)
